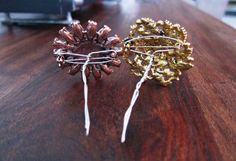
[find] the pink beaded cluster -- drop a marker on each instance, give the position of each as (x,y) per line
(76,39)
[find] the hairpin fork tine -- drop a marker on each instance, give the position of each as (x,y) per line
(134,98)
(155,50)
(84,78)
(86,110)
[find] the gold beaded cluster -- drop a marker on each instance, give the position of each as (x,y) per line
(167,65)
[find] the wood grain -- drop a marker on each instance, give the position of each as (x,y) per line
(41,107)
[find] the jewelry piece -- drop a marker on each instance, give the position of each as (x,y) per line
(89,51)
(154,50)
(75,43)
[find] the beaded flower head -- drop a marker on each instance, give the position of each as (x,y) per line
(154,50)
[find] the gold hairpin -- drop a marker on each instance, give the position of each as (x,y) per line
(155,50)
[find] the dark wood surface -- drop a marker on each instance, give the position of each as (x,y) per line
(41,107)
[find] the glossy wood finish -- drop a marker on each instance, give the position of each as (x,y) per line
(41,107)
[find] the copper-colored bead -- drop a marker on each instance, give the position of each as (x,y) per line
(58,43)
(97,72)
(87,71)
(78,29)
(104,32)
(106,69)
(113,41)
(92,28)
(66,35)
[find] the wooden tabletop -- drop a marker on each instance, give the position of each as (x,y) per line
(41,107)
